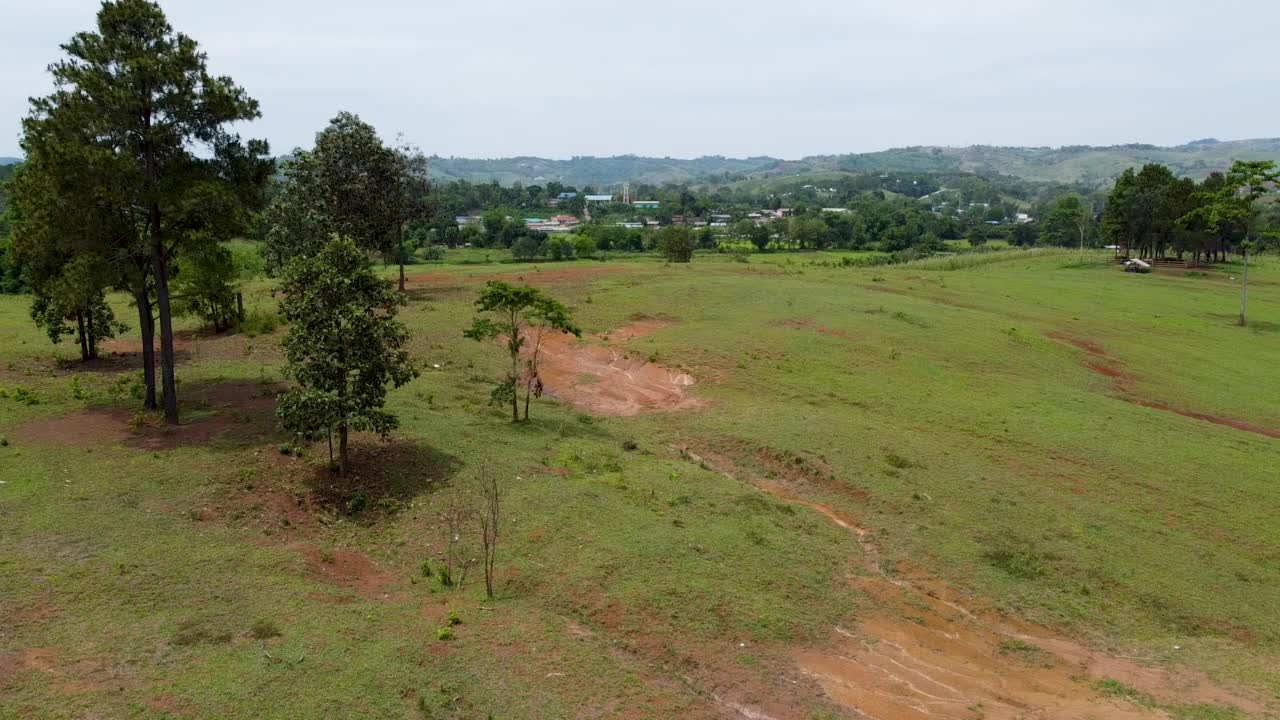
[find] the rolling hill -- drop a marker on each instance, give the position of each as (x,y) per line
(1088,165)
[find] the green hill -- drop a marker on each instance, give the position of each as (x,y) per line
(1094,166)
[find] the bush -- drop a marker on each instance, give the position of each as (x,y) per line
(445,633)
(560,248)
(258,322)
(584,246)
(433,253)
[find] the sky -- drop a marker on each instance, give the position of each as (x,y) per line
(684,78)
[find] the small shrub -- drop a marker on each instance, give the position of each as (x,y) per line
(630,445)
(454,618)
(264,630)
(78,390)
(258,322)
(445,633)
(446,579)
(137,422)
(426,569)
(433,254)
(25,396)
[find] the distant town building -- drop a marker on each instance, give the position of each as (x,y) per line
(650,204)
(600,198)
(567,196)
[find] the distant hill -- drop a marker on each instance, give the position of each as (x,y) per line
(10,160)
(1093,166)
(595,171)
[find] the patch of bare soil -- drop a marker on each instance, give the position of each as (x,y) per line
(69,677)
(809,324)
(608,381)
(241,411)
(920,653)
(351,570)
(1123,383)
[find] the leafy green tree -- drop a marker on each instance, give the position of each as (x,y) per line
(675,244)
(1235,203)
(759,236)
(349,184)
(138,126)
(205,286)
(523,317)
(1068,221)
(343,348)
(584,246)
(527,247)
(560,248)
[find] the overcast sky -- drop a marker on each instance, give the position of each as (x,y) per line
(482,78)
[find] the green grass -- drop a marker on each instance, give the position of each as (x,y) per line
(176,583)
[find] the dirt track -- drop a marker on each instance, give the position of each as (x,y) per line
(1107,366)
(920,654)
(605,380)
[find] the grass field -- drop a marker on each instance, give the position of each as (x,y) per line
(1088,455)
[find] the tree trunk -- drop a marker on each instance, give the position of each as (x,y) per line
(1244,286)
(90,335)
(342,449)
(400,253)
(84,341)
(147,328)
(160,267)
(528,390)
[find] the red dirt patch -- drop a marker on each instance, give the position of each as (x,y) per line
(241,409)
(1123,383)
(806,323)
(920,654)
(350,570)
(67,677)
(605,381)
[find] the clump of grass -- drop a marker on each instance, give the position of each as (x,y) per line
(445,633)
(898,462)
(426,569)
(192,632)
(264,630)
(453,618)
(1018,558)
(1114,688)
(1033,654)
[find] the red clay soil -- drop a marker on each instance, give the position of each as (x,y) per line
(1123,383)
(607,381)
(351,570)
(918,653)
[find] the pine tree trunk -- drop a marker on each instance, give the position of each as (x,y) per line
(1244,286)
(90,335)
(160,266)
(400,252)
(342,449)
(146,327)
(84,341)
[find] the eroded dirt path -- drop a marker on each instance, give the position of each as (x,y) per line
(610,380)
(1102,363)
(919,652)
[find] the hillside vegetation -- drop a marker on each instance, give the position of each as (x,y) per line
(1083,164)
